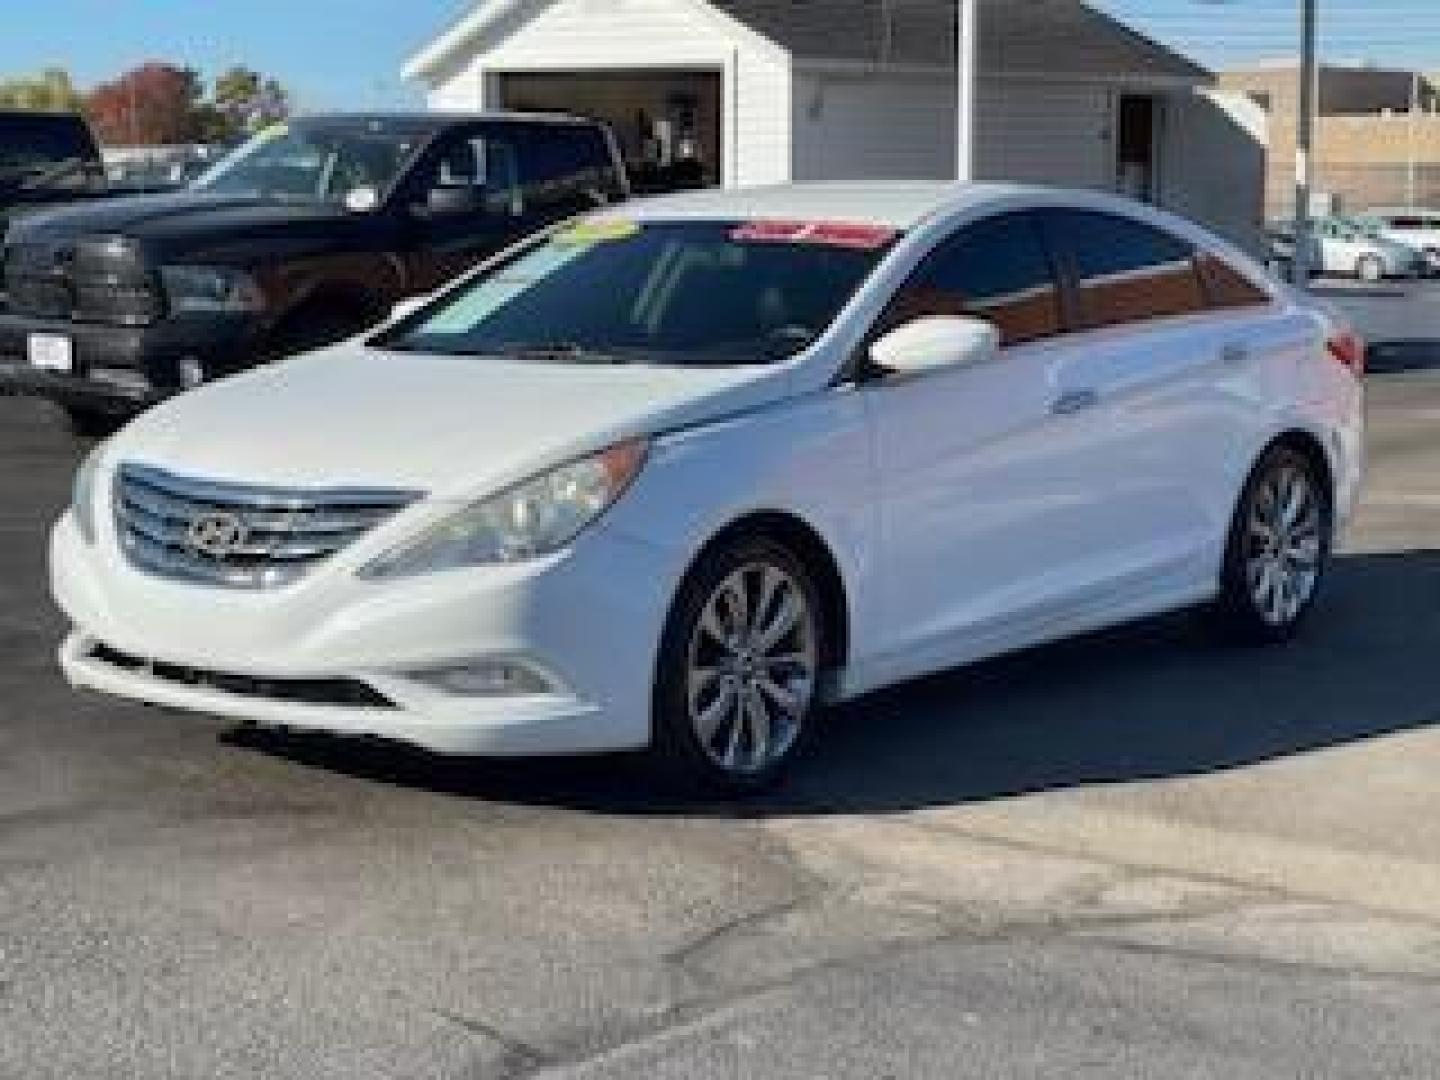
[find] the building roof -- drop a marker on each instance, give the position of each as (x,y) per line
(1035,36)
(1041,37)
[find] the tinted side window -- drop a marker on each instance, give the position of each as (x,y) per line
(486,163)
(996,270)
(33,140)
(564,164)
(1226,287)
(1126,271)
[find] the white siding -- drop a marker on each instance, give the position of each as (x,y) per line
(458,90)
(595,35)
(853,127)
(1212,165)
(1046,133)
(870,127)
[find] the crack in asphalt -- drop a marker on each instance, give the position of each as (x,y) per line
(518,1058)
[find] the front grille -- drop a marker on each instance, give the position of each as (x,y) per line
(95,281)
(333,692)
(237,535)
(38,298)
(117,305)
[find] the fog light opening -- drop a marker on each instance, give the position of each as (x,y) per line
(487,678)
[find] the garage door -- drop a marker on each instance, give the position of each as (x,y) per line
(667,122)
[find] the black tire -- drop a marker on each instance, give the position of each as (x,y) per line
(679,757)
(91,423)
(1370,269)
(1240,613)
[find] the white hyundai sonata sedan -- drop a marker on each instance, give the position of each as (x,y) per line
(678,474)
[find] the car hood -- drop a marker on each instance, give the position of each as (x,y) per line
(183,223)
(454,427)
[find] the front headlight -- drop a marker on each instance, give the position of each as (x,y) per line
(211,289)
(535,518)
(82,493)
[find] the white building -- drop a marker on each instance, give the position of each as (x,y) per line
(773,91)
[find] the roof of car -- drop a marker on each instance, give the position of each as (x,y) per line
(897,205)
(441,118)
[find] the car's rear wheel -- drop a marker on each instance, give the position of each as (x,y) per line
(1278,549)
(1370,269)
(739,669)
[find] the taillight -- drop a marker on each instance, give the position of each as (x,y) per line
(1349,349)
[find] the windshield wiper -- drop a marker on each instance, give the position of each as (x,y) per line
(565,352)
(42,173)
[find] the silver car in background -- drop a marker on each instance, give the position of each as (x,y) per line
(1351,247)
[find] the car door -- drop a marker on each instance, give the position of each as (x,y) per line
(466,202)
(987,496)
(1158,377)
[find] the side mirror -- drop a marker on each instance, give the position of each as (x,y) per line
(362,200)
(443,201)
(403,309)
(934,343)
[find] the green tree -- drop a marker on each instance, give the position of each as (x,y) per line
(245,101)
(51,90)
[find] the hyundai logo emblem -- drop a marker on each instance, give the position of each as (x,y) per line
(215,534)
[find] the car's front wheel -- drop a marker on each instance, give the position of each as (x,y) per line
(1278,549)
(739,669)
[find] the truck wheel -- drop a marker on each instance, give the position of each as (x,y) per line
(91,423)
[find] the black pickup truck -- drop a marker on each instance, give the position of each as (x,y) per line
(309,233)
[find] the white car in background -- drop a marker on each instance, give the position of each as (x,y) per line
(676,475)
(1417,229)
(1354,247)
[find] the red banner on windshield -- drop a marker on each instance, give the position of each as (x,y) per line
(839,234)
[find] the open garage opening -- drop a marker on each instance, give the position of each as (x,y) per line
(668,122)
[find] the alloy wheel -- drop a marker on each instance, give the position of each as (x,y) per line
(751,669)
(1284,548)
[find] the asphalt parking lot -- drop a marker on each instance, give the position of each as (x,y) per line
(1135,855)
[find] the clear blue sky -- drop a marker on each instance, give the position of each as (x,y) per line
(338,53)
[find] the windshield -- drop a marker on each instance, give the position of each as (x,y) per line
(1358,228)
(680,293)
(37,150)
(349,162)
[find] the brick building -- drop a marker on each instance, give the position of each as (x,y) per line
(1377,134)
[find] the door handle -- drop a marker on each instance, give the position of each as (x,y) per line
(1074,401)
(1234,354)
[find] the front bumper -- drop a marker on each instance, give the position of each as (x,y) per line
(120,369)
(590,619)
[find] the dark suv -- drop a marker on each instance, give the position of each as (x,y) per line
(306,235)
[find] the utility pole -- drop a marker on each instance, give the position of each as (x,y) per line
(1411,178)
(1305,140)
(967,62)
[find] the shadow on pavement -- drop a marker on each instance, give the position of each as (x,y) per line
(1148,701)
(1399,355)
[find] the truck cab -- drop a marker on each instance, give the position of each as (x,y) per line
(306,235)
